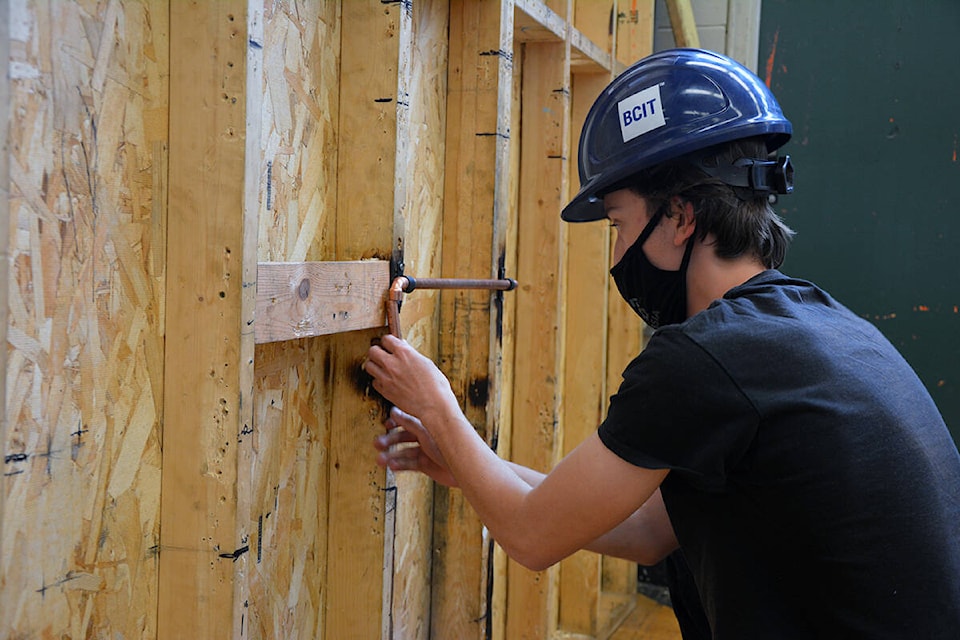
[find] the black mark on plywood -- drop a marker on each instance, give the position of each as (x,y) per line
(478,392)
(505,136)
(259,538)
(236,554)
(363,383)
(269,186)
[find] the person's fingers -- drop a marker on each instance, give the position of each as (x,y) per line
(394,437)
(390,343)
(405,420)
(407,459)
(371,367)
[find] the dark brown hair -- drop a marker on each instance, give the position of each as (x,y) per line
(741,220)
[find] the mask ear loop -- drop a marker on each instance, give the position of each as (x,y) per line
(652,224)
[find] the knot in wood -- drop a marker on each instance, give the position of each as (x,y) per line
(303,290)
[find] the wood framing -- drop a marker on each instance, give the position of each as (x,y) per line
(4,246)
(539,324)
(584,401)
(206,202)
(477,139)
(684,26)
(372,110)
(205,235)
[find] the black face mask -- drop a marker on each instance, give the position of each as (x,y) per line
(658,296)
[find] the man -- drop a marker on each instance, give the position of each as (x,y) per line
(776,438)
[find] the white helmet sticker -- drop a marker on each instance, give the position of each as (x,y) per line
(640,113)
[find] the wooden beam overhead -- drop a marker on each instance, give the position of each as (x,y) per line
(536,22)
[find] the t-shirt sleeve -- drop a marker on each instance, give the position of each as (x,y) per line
(679,409)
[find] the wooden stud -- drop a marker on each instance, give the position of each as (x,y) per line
(4,249)
(584,401)
(539,323)
(683,24)
(205,262)
(634,31)
(509,182)
(423,176)
(477,140)
(371,111)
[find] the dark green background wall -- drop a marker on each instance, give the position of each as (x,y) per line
(873,91)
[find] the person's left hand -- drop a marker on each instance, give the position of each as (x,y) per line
(408,379)
(407,446)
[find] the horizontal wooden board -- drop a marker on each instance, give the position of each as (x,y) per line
(304,299)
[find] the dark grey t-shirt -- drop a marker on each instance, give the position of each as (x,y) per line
(814,487)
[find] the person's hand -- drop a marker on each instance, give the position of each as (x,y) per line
(417,450)
(408,379)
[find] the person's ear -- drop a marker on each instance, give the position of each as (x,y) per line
(681,211)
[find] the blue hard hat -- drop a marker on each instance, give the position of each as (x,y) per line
(667,105)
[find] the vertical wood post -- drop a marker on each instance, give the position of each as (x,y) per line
(206,333)
(478,137)
(421,173)
(371,112)
(4,241)
(584,401)
(539,323)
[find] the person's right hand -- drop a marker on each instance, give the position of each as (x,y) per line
(407,446)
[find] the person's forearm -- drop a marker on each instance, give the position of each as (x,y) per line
(539,519)
(495,488)
(646,537)
(528,475)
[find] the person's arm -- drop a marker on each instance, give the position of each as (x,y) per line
(590,491)
(646,537)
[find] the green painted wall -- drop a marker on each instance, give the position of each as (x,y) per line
(873,91)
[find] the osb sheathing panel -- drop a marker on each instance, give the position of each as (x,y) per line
(284,476)
(352,153)
(350,131)
(88,91)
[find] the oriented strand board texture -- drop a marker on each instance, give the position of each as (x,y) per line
(283,478)
(81,471)
(352,126)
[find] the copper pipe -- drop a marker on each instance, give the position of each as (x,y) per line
(406,284)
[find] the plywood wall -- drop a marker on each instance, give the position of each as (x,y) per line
(87,154)
(165,476)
